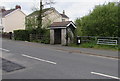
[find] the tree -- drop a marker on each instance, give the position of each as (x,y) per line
(79,27)
(102,21)
(40,15)
(34,21)
(41,12)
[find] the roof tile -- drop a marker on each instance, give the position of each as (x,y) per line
(7,12)
(63,15)
(60,24)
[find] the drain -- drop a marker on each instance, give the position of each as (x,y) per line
(9,66)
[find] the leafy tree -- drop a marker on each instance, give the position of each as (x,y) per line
(78,31)
(102,21)
(40,15)
(34,21)
(31,23)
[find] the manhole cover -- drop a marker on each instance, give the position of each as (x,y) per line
(9,66)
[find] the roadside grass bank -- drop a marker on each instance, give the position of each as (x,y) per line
(96,46)
(41,41)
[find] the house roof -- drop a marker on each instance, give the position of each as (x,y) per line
(62,24)
(45,10)
(37,12)
(63,15)
(4,13)
(7,12)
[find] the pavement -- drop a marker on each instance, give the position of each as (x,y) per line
(58,62)
(90,51)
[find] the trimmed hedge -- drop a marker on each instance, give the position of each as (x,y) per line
(24,35)
(21,35)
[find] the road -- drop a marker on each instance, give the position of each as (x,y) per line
(46,62)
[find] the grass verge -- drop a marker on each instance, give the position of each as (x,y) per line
(96,46)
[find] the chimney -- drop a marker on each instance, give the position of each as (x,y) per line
(17,7)
(64,12)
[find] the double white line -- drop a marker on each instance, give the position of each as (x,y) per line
(38,59)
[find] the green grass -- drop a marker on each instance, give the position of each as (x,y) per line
(41,41)
(96,46)
(36,41)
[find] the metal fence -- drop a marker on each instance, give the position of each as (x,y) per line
(98,40)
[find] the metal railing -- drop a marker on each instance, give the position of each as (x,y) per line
(98,40)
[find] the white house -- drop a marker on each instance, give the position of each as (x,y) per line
(1,27)
(13,19)
(50,15)
(61,29)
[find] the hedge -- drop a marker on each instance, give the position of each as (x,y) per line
(21,35)
(24,35)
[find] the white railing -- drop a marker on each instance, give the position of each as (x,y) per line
(107,42)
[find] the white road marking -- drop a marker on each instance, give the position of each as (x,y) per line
(105,75)
(4,50)
(38,59)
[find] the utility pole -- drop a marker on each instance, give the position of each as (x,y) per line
(40,15)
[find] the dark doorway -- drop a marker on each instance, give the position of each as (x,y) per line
(57,36)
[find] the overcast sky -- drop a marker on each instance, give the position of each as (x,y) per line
(73,8)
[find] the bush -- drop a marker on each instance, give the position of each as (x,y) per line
(24,35)
(45,40)
(21,35)
(102,21)
(46,36)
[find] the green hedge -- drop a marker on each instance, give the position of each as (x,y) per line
(24,35)
(21,35)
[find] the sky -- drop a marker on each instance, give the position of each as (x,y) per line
(73,8)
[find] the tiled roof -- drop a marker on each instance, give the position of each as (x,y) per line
(45,10)
(4,13)
(60,24)
(37,12)
(65,16)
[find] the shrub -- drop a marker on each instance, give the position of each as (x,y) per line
(21,35)
(24,35)
(45,40)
